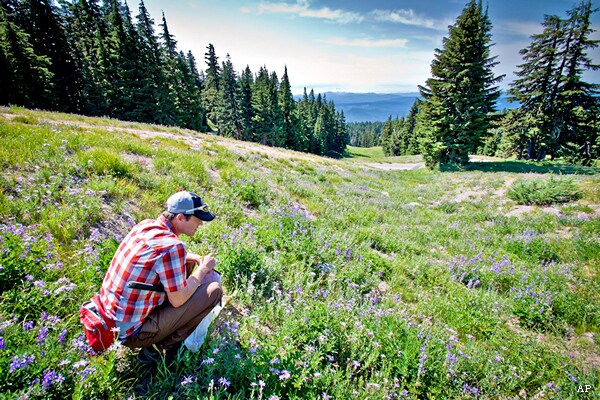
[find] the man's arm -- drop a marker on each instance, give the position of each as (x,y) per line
(206,264)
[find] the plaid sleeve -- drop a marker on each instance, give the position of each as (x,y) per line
(171,268)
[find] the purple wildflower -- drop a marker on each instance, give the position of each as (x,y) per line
(187,380)
(28,325)
(51,377)
(62,336)
(87,372)
(20,363)
(224,382)
(285,374)
(574,379)
(41,338)
(2,343)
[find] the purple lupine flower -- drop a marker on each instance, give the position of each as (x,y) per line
(187,380)
(20,363)
(87,372)
(62,336)
(574,379)
(285,374)
(2,343)
(28,325)
(41,338)
(51,377)
(224,382)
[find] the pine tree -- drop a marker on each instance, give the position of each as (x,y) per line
(245,110)
(86,31)
(123,70)
(211,86)
(412,139)
(289,114)
(461,94)
(386,137)
(40,19)
(553,96)
(158,106)
(229,124)
(24,76)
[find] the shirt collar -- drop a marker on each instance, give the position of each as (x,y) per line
(168,224)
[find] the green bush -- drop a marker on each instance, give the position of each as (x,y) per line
(544,191)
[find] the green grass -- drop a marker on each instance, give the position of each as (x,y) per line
(345,282)
(364,152)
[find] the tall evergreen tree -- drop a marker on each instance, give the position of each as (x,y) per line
(245,110)
(86,31)
(289,114)
(211,85)
(157,106)
(411,121)
(40,19)
(559,106)
(461,94)
(229,124)
(24,76)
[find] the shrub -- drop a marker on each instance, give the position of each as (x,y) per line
(544,191)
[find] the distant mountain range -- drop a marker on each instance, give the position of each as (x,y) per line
(361,107)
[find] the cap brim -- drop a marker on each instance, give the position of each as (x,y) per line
(204,216)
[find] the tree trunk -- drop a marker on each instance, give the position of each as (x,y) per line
(531,149)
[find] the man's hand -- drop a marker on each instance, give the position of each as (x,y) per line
(204,265)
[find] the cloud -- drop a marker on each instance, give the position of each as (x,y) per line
(366,42)
(302,9)
(519,28)
(408,17)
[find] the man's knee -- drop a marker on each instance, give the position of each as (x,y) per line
(214,292)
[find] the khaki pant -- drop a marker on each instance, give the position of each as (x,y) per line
(166,325)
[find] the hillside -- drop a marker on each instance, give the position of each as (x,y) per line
(354,278)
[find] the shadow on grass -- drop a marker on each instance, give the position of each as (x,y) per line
(523,167)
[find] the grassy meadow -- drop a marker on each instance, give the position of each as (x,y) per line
(346,281)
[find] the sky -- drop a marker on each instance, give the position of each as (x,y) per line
(378,46)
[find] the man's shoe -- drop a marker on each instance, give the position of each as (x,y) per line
(149,356)
(172,352)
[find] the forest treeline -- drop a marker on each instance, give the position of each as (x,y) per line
(558,113)
(90,57)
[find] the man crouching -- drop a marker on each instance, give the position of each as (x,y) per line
(155,291)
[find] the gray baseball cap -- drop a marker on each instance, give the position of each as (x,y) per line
(189,203)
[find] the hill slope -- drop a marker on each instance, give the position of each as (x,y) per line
(347,281)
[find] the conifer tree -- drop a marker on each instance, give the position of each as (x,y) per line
(40,20)
(461,93)
(158,104)
(386,137)
(411,121)
(86,31)
(289,113)
(245,110)
(557,103)
(211,85)
(229,124)
(24,76)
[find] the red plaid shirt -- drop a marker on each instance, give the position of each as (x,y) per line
(151,253)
